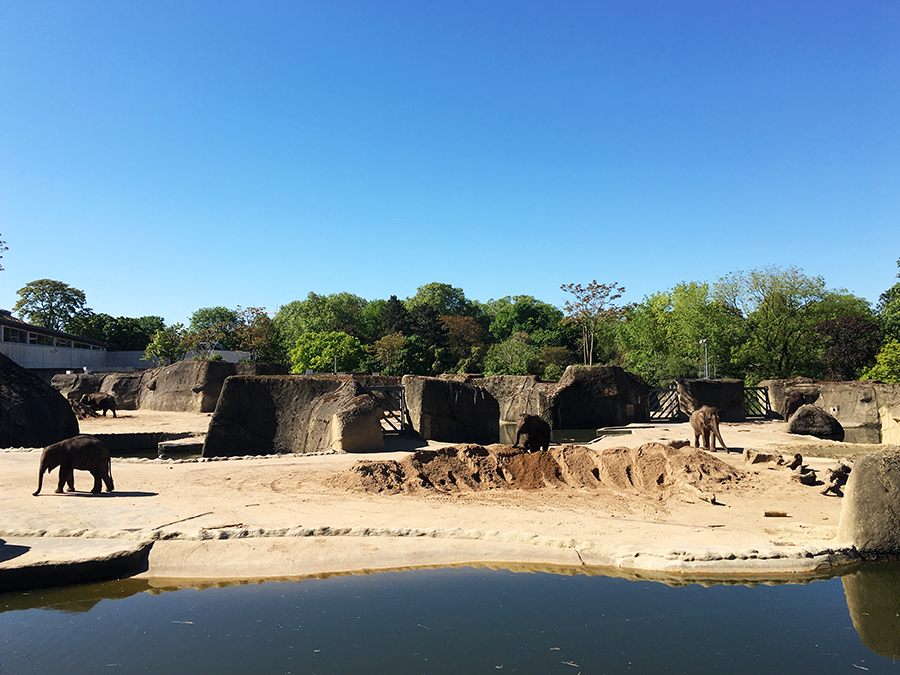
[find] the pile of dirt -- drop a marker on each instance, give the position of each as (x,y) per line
(652,469)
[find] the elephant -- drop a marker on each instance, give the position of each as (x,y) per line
(99,401)
(536,430)
(705,422)
(79,452)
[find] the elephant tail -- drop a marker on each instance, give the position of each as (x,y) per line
(40,481)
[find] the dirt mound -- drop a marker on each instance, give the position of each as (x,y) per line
(652,469)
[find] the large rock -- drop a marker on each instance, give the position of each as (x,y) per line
(455,412)
(32,413)
(76,385)
(246,368)
(261,415)
(598,396)
(870,513)
(727,396)
(125,388)
(519,395)
(186,386)
(811,420)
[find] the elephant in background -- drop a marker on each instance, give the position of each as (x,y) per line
(705,422)
(536,431)
(85,453)
(99,401)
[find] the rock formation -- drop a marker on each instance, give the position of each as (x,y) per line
(870,514)
(726,396)
(260,415)
(32,413)
(598,396)
(455,412)
(811,420)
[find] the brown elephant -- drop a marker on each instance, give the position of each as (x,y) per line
(85,453)
(99,401)
(705,422)
(536,431)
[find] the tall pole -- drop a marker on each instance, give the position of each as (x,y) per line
(704,342)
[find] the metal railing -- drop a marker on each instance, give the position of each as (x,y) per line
(392,402)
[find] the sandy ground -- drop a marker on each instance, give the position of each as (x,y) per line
(277,517)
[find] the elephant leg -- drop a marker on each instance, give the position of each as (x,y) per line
(98,477)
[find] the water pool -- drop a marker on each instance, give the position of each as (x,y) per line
(465,620)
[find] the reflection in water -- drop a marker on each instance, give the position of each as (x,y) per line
(873,597)
(451,621)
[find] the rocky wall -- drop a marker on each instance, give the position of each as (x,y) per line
(854,404)
(32,413)
(598,396)
(451,411)
(727,396)
(260,415)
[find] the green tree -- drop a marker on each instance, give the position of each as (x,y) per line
(660,337)
(888,310)
(515,356)
(465,343)
(317,352)
(170,344)
(523,314)
(395,317)
(781,308)
(51,304)
(339,312)
(852,344)
(258,336)
(388,351)
(887,364)
(119,333)
(216,325)
(444,299)
(592,311)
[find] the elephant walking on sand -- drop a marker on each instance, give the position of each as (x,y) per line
(85,453)
(536,431)
(705,422)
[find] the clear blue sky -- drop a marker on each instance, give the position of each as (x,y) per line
(166,156)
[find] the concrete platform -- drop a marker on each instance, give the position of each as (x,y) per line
(40,562)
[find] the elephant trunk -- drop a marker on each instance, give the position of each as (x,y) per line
(719,436)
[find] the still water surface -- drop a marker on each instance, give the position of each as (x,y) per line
(467,620)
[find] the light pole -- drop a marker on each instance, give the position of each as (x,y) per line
(705,358)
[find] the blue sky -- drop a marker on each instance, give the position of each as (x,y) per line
(167,156)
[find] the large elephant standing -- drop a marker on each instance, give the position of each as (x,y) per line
(536,430)
(85,453)
(705,422)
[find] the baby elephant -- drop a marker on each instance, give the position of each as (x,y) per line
(99,401)
(79,452)
(536,430)
(705,422)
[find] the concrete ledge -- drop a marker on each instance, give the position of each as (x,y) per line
(40,562)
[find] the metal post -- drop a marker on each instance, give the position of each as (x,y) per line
(705,358)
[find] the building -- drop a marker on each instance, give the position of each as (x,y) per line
(50,351)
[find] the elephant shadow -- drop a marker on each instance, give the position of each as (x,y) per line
(108,495)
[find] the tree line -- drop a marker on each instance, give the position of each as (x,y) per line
(768,322)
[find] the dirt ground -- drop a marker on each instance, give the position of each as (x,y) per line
(295,515)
